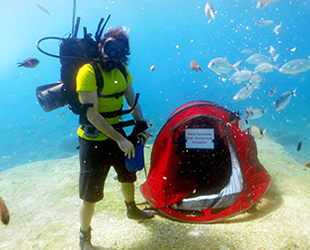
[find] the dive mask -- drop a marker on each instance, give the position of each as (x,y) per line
(115,50)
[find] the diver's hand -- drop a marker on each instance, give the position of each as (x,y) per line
(127,147)
(144,136)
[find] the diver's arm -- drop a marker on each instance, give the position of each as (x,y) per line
(130,99)
(101,123)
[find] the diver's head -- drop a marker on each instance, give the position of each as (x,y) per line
(115,46)
(114,49)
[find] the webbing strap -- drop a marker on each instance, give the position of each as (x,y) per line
(98,75)
(117,95)
(121,112)
(100,82)
(83,119)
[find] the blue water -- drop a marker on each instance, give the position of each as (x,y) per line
(168,34)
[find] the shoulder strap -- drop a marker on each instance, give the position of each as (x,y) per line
(100,80)
(99,77)
(122,69)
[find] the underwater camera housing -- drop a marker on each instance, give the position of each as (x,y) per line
(51,96)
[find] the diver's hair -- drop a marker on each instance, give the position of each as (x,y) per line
(120,35)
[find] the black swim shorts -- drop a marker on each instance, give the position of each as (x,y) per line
(96,158)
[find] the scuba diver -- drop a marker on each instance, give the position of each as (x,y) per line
(102,143)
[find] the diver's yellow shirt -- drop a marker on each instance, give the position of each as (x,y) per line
(114,82)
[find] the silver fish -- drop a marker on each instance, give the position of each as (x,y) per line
(254,114)
(295,66)
(260,58)
(222,66)
(261,5)
(264,23)
(255,81)
(265,67)
(42,8)
(243,124)
(247,51)
(283,100)
(244,93)
(42,119)
(61,114)
(209,11)
(241,76)
(266,1)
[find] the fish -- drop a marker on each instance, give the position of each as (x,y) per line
(265,67)
(209,11)
(284,99)
(222,66)
(272,91)
(61,114)
(299,146)
(233,117)
(266,1)
(195,66)
(5,158)
(254,114)
(307,164)
(256,81)
(260,58)
(295,66)
(264,23)
(261,5)
(272,50)
(244,124)
(277,28)
(152,68)
(42,8)
(241,76)
(244,93)
(42,119)
(30,62)
(247,51)
(256,132)
(4,212)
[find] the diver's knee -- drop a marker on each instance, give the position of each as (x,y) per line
(87,204)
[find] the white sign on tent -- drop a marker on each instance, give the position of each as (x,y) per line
(200,138)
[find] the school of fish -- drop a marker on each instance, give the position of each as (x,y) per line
(262,64)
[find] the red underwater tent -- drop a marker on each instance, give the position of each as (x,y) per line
(203,168)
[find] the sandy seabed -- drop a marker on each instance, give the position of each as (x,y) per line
(43,201)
